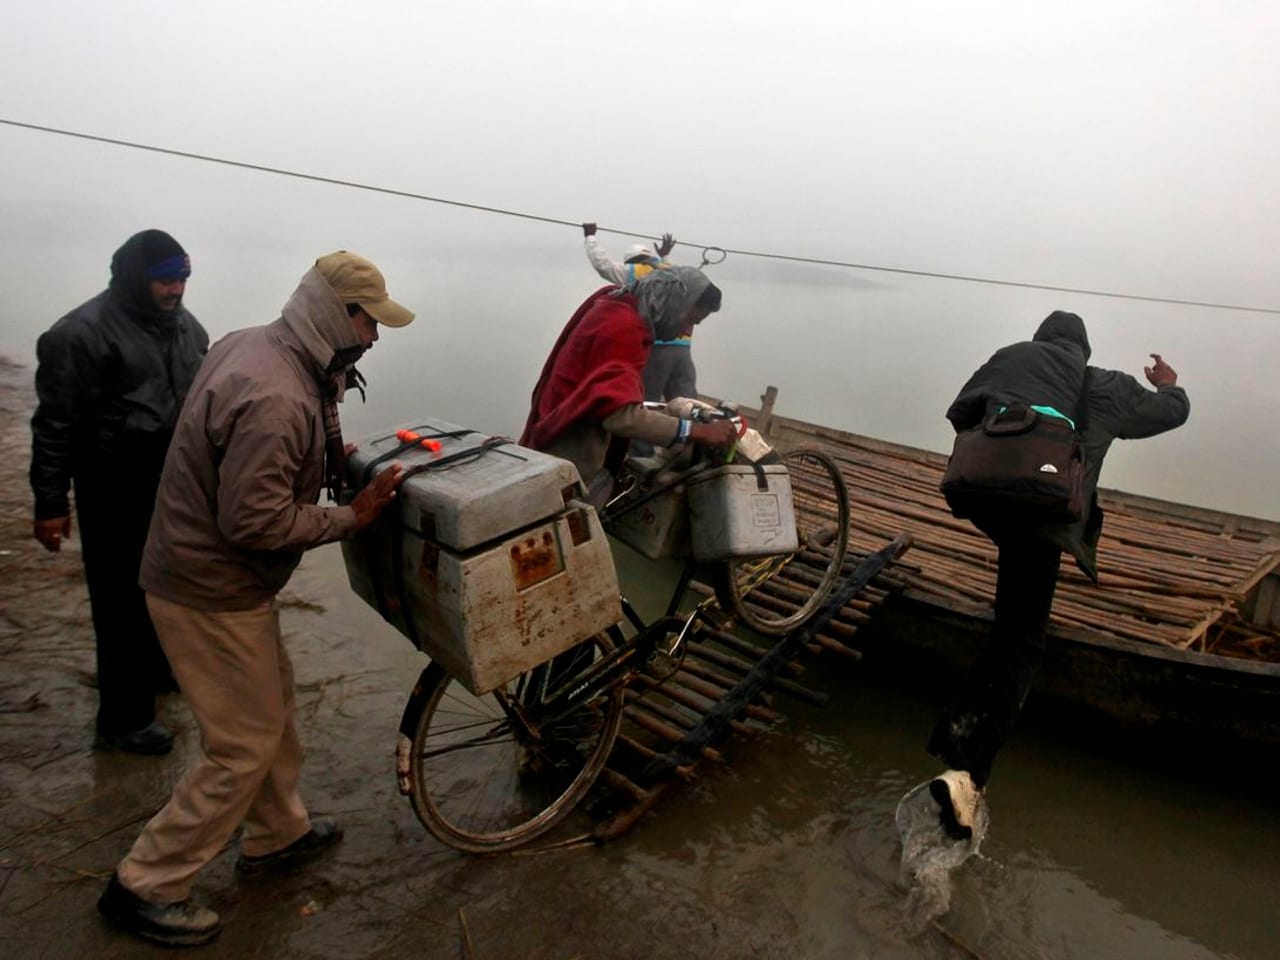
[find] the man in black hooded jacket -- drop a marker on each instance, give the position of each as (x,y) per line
(111,378)
(1049,371)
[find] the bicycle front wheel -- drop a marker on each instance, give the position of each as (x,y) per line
(487,774)
(775,595)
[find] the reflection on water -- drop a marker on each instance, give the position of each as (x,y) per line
(1089,854)
(1093,849)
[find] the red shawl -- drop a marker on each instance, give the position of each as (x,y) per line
(594,369)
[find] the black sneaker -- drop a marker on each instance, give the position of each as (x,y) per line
(323,834)
(152,740)
(182,924)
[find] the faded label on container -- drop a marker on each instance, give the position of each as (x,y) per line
(535,558)
(765,511)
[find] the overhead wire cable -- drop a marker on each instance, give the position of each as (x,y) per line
(759,254)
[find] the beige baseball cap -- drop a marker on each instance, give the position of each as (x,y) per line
(355,280)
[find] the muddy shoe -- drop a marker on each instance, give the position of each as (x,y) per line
(152,740)
(182,924)
(957,801)
(323,834)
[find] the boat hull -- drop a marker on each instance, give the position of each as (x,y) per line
(1177,695)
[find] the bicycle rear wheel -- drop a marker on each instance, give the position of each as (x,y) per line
(487,774)
(775,595)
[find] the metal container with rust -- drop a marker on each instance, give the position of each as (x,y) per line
(488,562)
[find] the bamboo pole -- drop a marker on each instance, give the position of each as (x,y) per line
(686,773)
(665,731)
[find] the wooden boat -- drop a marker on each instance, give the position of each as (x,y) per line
(1181,636)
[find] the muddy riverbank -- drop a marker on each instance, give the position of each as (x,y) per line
(787,850)
(391,890)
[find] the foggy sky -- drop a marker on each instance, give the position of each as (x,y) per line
(1118,146)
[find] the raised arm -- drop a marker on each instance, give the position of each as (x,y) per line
(613,272)
(1138,412)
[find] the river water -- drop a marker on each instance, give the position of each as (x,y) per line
(1093,850)
(790,848)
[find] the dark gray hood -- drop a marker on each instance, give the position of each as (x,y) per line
(1064,327)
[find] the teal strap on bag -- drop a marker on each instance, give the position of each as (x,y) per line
(1051,412)
(1048,412)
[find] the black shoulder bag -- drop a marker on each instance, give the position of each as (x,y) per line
(1020,465)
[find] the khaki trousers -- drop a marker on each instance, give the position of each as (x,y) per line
(238,681)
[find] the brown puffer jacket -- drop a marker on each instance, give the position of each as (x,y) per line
(238,501)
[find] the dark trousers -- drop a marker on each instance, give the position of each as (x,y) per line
(113,514)
(975,727)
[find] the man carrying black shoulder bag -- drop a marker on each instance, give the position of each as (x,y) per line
(1033,425)
(1025,460)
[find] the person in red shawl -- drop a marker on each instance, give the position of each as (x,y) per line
(589,402)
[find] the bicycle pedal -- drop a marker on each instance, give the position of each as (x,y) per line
(661,665)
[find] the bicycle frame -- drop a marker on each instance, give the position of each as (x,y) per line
(613,669)
(609,512)
(555,724)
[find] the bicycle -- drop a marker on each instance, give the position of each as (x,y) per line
(492,773)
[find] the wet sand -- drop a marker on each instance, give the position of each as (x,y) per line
(788,850)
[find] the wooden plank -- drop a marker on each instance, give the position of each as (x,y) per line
(723,713)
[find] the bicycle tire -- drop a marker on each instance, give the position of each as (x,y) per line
(504,788)
(754,590)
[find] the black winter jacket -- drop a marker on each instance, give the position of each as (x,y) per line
(112,376)
(1049,370)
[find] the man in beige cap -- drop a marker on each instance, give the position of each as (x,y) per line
(256,441)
